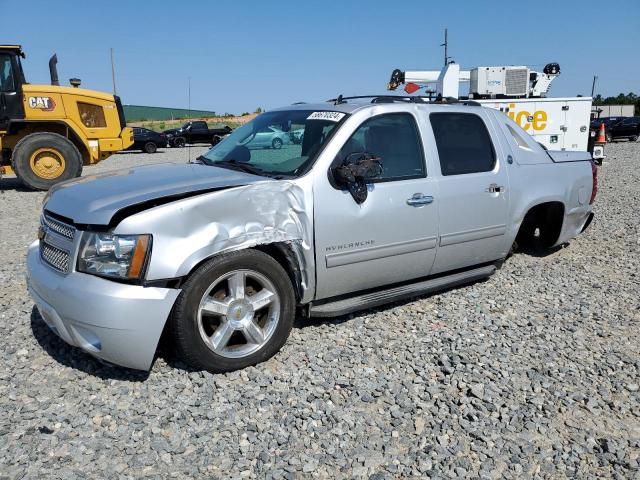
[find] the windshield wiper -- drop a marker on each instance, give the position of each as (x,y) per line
(244,167)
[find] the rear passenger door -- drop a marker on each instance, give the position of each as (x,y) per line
(473,191)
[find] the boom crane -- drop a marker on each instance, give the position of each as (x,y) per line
(484,82)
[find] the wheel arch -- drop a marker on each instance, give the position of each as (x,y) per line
(285,253)
(18,129)
(548,217)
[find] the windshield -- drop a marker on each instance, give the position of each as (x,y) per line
(277,143)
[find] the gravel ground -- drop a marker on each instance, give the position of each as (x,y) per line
(532,373)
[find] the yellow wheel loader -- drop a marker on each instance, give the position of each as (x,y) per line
(48,132)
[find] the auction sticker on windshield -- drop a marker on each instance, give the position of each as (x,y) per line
(331,116)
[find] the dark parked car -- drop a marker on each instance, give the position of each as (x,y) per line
(147,140)
(626,128)
(196,132)
(608,122)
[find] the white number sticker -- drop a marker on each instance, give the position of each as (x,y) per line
(331,116)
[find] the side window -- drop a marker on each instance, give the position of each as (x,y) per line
(6,75)
(394,138)
(92,116)
(464,144)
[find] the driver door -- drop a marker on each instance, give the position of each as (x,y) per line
(390,237)
(10,91)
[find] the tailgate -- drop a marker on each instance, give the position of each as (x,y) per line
(559,156)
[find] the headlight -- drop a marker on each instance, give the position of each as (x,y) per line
(117,256)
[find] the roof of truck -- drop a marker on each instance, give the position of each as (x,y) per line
(17,48)
(351,104)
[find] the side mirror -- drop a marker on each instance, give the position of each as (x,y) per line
(356,171)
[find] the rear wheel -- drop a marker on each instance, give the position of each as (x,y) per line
(234,311)
(43,159)
(609,137)
(633,138)
(150,147)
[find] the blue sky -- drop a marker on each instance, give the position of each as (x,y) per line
(245,54)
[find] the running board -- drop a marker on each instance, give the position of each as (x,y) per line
(374,299)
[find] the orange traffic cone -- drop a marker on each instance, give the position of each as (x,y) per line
(601,135)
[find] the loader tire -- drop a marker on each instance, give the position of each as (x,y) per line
(43,159)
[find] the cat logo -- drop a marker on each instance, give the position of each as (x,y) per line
(46,104)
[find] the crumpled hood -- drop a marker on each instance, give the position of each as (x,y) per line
(95,199)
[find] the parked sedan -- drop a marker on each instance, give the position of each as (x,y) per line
(147,140)
(627,128)
(269,137)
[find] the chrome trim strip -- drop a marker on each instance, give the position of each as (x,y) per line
(470,235)
(382,251)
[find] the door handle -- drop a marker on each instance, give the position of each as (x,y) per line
(419,199)
(494,188)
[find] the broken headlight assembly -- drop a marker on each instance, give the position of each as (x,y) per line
(115,256)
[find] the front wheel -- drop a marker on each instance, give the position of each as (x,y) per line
(179,142)
(43,159)
(276,143)
(234,311)
(633,138)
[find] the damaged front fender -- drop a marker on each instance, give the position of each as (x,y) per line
(189,231)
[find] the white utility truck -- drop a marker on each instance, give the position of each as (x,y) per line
(518,92)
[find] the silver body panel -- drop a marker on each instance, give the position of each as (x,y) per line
(95,199)
(195,212)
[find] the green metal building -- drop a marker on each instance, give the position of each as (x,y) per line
(137,113)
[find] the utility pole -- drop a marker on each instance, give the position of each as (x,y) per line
(189,99)
(113,73)
(446,46)
(189,117)
(593,85)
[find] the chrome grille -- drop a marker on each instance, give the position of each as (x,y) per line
(58,259)
(60,228)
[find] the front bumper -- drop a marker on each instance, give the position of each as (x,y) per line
(116,322)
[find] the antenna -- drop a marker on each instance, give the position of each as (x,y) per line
(593,85)
(113,72)
(446,47)
(189,116)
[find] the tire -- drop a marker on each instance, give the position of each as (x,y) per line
(633,138)
(608,137)
(215,140)
(179,142)
(194,330)
(43,159)
(150,147)
(276,143)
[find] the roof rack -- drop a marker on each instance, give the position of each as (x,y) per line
(405,98)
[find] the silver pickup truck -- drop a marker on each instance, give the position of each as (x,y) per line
(382,199)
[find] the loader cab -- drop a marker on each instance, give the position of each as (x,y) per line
(11,81)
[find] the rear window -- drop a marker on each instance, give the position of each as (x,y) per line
(463,142)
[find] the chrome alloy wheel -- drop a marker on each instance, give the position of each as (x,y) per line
(238,313)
